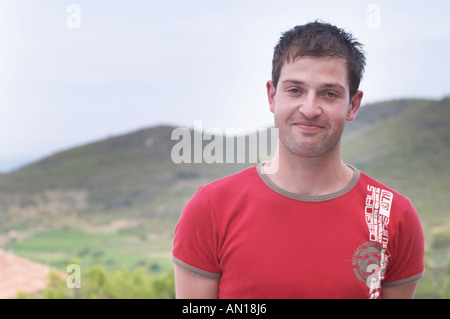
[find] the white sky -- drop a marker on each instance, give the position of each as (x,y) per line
(135,64)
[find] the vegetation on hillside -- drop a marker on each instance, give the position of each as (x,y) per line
(99,283)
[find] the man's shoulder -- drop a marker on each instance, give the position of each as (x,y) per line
(383,191)
(243,176)
(232,186)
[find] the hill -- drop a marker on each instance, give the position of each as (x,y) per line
(130,175)
(116,201)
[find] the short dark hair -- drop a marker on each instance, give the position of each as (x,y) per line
(320,39)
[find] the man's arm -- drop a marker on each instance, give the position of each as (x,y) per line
(405,291)
(189,285)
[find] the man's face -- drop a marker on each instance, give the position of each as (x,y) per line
(311,104)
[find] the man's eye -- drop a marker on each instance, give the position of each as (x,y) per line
(294,91)
(330,94)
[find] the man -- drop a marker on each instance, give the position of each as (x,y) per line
(304,224)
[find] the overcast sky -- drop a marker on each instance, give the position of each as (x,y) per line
(70,75)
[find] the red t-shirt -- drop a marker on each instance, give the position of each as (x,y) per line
(263,242)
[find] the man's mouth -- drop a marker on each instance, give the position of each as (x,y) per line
(308,126)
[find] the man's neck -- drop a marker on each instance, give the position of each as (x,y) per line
(308,176)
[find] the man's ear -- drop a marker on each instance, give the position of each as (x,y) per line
(271,95)
(355,103)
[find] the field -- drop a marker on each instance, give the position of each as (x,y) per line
(59,248)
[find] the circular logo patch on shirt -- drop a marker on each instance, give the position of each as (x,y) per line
(366,259)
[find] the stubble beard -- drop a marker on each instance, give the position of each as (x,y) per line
(309,145)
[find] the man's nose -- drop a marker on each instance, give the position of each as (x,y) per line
(310,106)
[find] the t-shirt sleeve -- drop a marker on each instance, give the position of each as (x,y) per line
(196,240)
(408,251)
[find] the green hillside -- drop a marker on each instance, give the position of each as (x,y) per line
(129,176)
(116,201)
